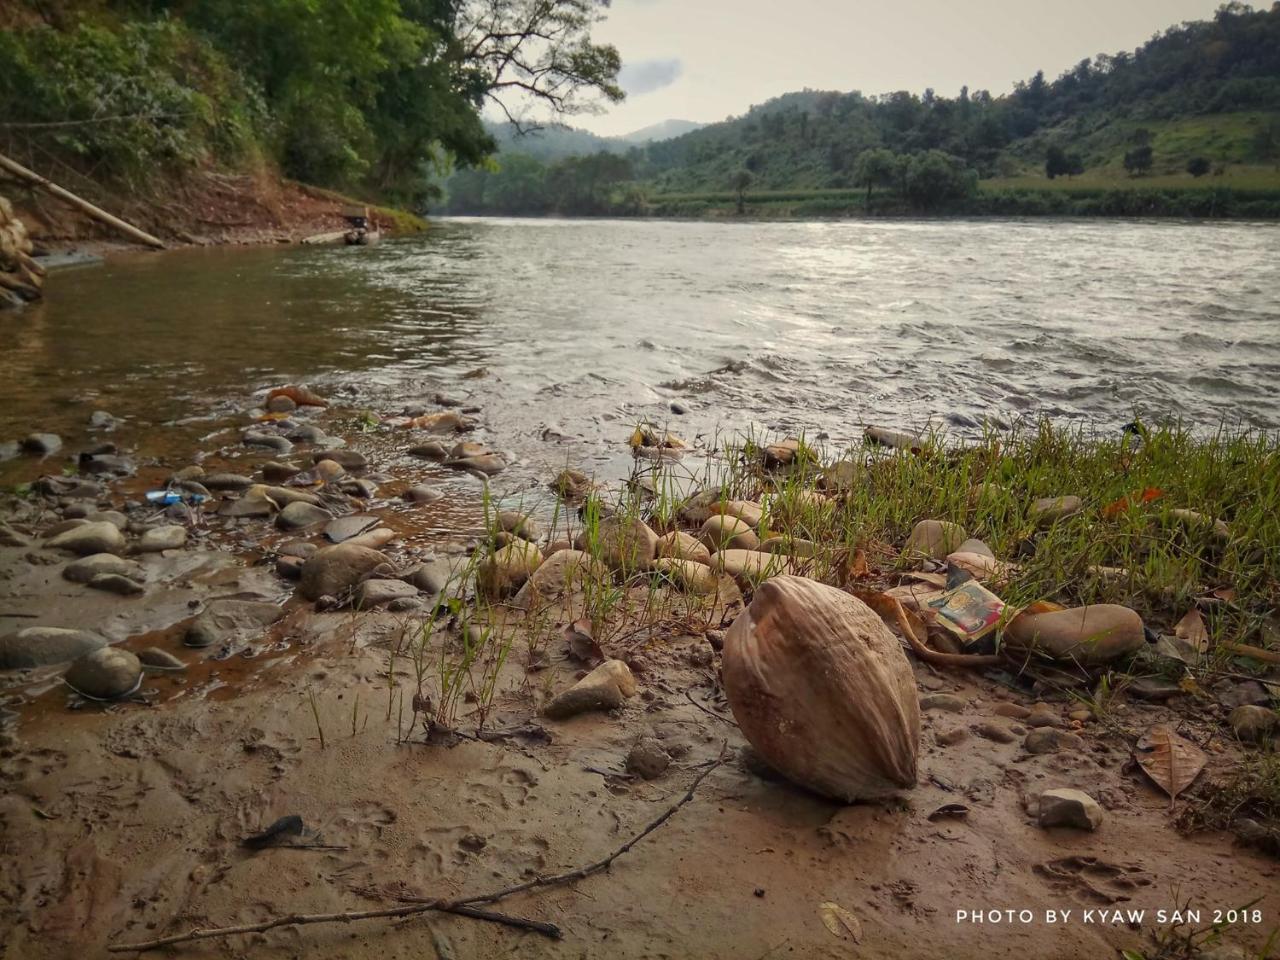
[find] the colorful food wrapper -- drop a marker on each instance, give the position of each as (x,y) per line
(970,611)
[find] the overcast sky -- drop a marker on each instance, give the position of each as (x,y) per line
(708,59)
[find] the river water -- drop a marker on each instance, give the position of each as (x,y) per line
(585,327)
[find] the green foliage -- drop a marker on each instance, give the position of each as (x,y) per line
(123,101)
(522,185)
(1198,166)
(1138,160)
(371,94)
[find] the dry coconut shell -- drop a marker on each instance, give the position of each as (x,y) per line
(822,690)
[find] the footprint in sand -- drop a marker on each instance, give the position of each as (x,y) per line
(1093,880)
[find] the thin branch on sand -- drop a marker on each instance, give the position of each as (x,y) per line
(463,906)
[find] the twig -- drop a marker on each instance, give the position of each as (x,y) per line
(707,710)
(464,906)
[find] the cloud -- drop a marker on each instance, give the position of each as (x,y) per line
(646,76)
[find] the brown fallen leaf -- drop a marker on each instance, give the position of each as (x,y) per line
(1192,629)
(858,566)
(1171,761)
(839,921)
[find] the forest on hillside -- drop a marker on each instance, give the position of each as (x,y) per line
(375,96)
(1195,99)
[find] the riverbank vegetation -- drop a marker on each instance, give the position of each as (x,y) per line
(1187,125)
(129,96)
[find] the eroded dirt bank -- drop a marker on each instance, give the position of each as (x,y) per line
(122,822)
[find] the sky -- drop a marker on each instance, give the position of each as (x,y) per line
(706,60)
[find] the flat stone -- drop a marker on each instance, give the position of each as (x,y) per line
(86,568)
(227,481)
(305,433)
(434,450)
(158,539)
(945,702)
(257,506)
(338,568)
(118,584)
(377,593)
(107,673)
(724,532)
(271,441)
(1051,741)
(90,538)
(231,622)
(998,732)
(678,545)
(421,493)
(520,524)
(344,528)
(273,472)
(689,575)
(1014,711)
(1049,510)
(560,573)
(935,538)
(153,658)
(432,576)
(299,514)
(488,464)
(350,459)
(975,546)
(115,517)
(604,688)
(648,759)
(1065,807)
(42,646)
(10,537)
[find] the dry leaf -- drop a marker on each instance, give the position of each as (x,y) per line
(582,646)
(1226,594)
(840,921)
(1192,629)
(1171,761)
(858,565)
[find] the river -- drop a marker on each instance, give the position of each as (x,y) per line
(586,326)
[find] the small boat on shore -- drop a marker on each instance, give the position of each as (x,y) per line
(364,231)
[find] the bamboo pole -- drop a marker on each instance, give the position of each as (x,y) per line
(33,178)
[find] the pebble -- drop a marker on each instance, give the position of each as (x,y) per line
(252,438)
(227,481)
(1253,723)
(433,450)
(107,673)
(935,538)
(1049,510)
(1051,741)
(10,537)
(991,730)
(946,702)
(520,524)
(648,759)
(604,688)
(90,538)
(335,569)
(345,528)
(289,567)
(1065,807)
(41,646)
(117,584)
(229,621)
(725,532)
(505,571)
(1090,635)
(273,472)
(86,568)
(159,539)
(377,593)
(301,514)
(1014,711)
(421,493)
(949,738)
(153,658)
(349,459)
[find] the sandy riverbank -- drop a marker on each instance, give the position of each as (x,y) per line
(123,822)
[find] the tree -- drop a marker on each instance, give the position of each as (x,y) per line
(1138,160)
(876,167)
(1055,162)
(523,53)
(934,178)
(1198,166)
(740,181)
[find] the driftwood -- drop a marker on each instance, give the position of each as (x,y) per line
(34,179)
(462,906)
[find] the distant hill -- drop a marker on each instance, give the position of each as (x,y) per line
(665,130)
(1203,91)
